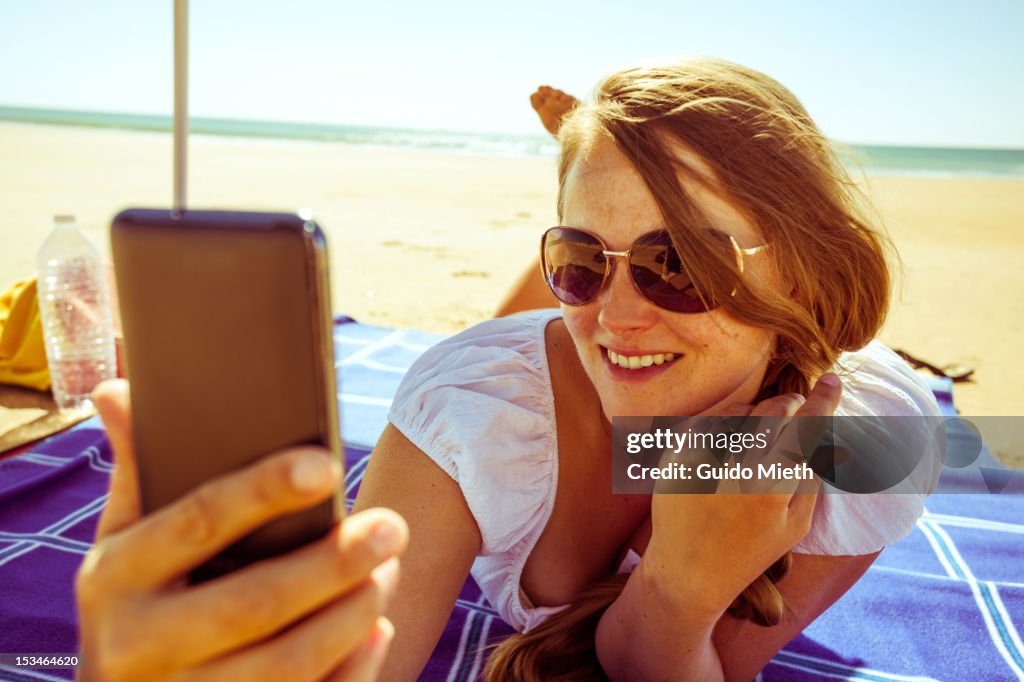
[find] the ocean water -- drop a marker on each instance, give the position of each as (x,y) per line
(929,161)
(936,161)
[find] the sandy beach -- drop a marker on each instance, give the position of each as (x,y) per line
(431,240)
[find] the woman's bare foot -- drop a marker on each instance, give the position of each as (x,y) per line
(551,104)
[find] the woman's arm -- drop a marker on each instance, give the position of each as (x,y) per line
(648,634)
(705,550)
(444,541)
(813,584)
(528,293)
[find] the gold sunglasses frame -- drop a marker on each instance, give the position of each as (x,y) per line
(738,250)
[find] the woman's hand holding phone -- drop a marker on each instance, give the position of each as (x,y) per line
(313,614)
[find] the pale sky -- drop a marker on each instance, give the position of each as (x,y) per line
(875,72)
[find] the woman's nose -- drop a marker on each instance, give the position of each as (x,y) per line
(624,310)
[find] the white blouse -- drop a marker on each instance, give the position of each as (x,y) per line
(480,405)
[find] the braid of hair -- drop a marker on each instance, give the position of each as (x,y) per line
(562,647)
(761,602)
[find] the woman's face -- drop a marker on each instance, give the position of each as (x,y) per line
(718,360)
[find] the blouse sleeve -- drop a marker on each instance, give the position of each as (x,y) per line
(877,382)
(479,405)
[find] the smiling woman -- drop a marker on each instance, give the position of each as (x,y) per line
(712,259)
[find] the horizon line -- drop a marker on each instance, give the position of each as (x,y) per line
(163,123)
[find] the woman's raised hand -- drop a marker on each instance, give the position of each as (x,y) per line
(313,614)
(706,549)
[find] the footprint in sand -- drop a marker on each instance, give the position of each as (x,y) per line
(438,251)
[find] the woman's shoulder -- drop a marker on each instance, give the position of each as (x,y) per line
(491,358)
(878,382)
(891,411)
(479,404)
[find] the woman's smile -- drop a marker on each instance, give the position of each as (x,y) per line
(638,365)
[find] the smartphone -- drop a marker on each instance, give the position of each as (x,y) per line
(229,354)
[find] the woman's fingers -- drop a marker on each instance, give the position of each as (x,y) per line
(823,399)
(254,603)
(801,514)
(814,419)
(785,405)
(308,611)
(364,665)
(123,508)
(313,648)
(737,410)
(797,438)
(315,613)
(801,507)
(195,528)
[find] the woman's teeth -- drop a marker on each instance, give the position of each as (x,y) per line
(639,361)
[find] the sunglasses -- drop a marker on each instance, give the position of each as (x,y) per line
(577,265)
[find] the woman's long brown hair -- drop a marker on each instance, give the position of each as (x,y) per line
(765,156)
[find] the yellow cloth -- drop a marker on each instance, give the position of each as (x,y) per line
(22,353)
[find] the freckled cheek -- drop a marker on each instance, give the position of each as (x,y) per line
(714,332)
(701,334)
(583,328)
(581,325)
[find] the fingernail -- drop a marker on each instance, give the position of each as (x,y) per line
(830,380)
(386,576)
(385,539)
(311,473)
(382,636)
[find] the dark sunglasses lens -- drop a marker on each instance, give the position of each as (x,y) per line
(659,274)
(574,265)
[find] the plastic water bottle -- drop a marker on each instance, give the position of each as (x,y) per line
(75,308)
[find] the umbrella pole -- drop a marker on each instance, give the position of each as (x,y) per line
(180,103)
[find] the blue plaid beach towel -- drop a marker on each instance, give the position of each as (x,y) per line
(946,603)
